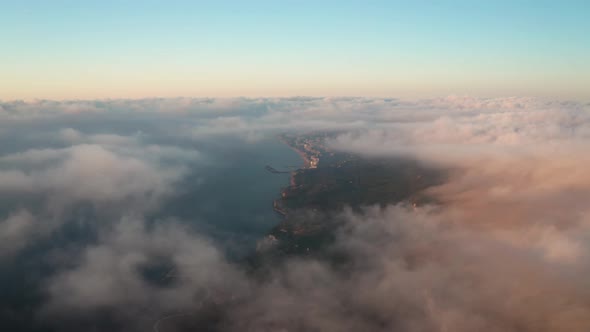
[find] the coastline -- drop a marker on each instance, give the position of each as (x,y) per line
(302,154)
(277,203)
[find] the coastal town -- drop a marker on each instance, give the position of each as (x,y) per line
(331,180)
(309,147)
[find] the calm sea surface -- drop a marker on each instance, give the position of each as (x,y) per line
(229,196)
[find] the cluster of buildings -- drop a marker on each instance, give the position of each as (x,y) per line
(308,146)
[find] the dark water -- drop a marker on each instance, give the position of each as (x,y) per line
(229,195)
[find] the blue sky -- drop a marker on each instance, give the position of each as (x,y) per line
(99,49)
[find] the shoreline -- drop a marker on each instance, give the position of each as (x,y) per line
(277,203)
(302,154)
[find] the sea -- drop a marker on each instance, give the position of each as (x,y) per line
(229,196)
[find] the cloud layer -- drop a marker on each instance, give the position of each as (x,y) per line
(504,249)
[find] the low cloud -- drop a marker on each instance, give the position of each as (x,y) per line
(427,270)
(114,174)
(87,173)
(16,231)
(505,247)
(114,274)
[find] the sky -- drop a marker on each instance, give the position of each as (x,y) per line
(136,49)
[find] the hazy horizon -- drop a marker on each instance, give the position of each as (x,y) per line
(114,49)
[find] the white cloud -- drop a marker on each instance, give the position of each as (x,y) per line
(423,270)
(109,276)
(89,172)
(16,232)
(112,173)
(504,249)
